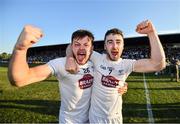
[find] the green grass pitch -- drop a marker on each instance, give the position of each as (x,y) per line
(40,102)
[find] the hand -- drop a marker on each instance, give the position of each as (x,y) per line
(145,27)
(28,37)
(123,89)
(71,65)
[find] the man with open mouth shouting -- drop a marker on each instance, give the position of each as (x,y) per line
(111,71)
(75,89)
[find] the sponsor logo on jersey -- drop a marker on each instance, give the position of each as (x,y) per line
(109,81)
(86,81)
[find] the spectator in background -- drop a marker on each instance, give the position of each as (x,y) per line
(174,67)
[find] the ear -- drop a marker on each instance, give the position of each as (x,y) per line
(105,46)
(70,46)
(92,48)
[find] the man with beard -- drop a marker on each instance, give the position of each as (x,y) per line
(75,89)
(111,71)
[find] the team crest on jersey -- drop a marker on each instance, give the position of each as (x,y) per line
(120,72)
(86,81)
(109,81)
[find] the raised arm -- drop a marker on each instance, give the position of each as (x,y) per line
(157,60)
(19,73)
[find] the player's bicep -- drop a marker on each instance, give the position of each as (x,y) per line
(40,73)
(144,65)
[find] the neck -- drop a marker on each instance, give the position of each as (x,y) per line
(109,58)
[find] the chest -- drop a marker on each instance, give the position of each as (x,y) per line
(110,75)
(116,70)
(83,79)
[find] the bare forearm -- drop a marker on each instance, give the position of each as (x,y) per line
(69,53)
(70,65)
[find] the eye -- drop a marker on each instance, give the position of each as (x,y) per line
(86,45)
(118,42)
(77,44)
(110,42)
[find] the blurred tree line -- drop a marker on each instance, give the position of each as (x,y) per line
(5,56)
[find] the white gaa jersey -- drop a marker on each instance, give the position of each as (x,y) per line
(75,90)
(106,102)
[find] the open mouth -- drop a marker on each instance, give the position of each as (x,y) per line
(114,53)
(81,56)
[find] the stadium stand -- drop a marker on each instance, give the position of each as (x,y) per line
(135,48)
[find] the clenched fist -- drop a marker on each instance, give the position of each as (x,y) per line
(145,27)
(28,37)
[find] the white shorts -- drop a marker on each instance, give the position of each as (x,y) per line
(66,119)
(96,119)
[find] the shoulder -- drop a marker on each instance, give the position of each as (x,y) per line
(95,57)
(128,61)
(89,63)
(57,62)
(57,66)
(62,59)
(96,54)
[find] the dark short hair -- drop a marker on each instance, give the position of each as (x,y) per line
(81,33)
(113,31)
